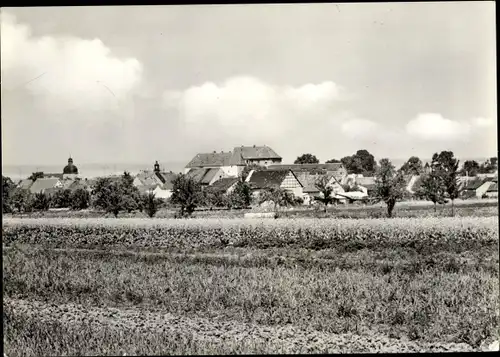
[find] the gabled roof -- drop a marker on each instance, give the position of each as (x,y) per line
(51,175)
(269,178)
(167,179)
(148,178)
(211,159)
(25,184)
(475,183)
(332,167)
(243,153)
(203,175)
(42,184)
(309,180)
(493,187)
(225,183)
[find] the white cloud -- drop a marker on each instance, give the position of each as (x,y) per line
(252,108)
(432,126)
(483,122)
(72,72)
(360,128)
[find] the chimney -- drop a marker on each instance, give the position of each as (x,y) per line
(253,145)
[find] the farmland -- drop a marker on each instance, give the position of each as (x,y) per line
(198,286)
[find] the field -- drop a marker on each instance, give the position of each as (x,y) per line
(225,286)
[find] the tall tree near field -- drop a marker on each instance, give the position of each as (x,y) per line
(306,159)
(362,162)
(325,190)
(79,199)
(432,188)
(187,193)
(413,166)
(279,196)
(61,199)
(471,168)
(108,196)
(241,195)
(7,191)
(151,204)
(389,185)
(41,201)
(131,197)
(21,200)
(447,167)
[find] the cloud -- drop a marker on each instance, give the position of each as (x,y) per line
(251,107)
(483,122)
(360,128)
(432,126)
(64,73)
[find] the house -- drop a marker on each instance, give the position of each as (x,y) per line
(311,191)
(42,184)
(366,184)
(144,189)
(337,170)
(232,163)
(226,184)
(206,176)
(492,191)
(163,191)
(146,178)
(477,187)
(268,179)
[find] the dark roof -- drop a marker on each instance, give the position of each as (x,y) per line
(25,184)
(269,178)
(70,169)
(493,187)
(333,167)
(203,175)
(167,179)
(243,153)
(225,183)
(41,184)
(148,178)
(308,180)
(475,183)
(212,159)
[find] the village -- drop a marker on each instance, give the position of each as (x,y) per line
(264,170)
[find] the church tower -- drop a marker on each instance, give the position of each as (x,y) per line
(157,167)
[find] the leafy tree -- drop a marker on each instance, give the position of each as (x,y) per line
(360,163)
(307,159)
(471,168)
(131,197)
(279,196)
(213,197)
(413,166)
(187,193)
(36,175)
(151,204)
(107,196)
(20,199)
(322,184)
(241,195)
(446,166)
(41,201)
(7,191)
(389,185)
(79,199)
(432,188)
(61,198)
(489,166)
(332,161)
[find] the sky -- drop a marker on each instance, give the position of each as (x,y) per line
(129,84)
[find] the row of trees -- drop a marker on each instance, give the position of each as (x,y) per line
(362,162)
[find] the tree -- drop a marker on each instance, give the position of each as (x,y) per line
(21,200)
(107,196)
(332,161)
(241,196)
(151,204)
(36,175)
(306,159)
(131,197)
(389,185)
(213,197)
(7,191)
(187,193)
(489,166)
(325,190)
(471,168)
(432,188)
(279,196)
(41,201)
(79,199)
(413,166)
(446,166)
(61,198)
(360,163)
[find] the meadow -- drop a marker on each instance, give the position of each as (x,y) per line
(202,286)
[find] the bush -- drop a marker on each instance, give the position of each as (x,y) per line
(41,201)
(80,199)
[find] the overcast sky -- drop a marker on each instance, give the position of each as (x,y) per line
(136,84)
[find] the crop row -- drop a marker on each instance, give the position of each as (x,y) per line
(422,235)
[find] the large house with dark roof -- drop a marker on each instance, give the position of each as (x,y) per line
(269,179)
(206,176)
(233,162)
(336,170)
